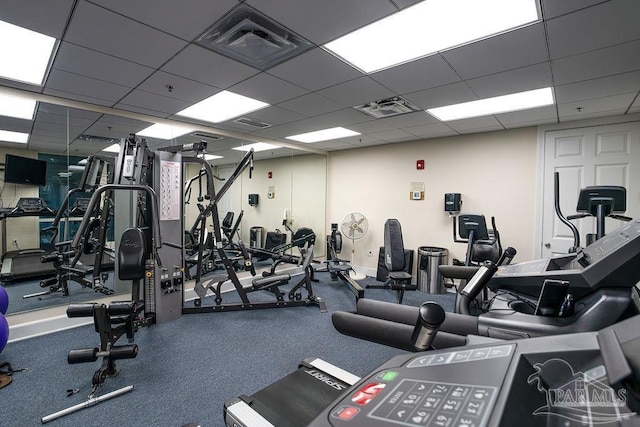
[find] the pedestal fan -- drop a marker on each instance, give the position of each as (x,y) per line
(354,226)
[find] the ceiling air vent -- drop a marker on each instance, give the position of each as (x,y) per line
(250,122)
(208,136)
(252,38)
(95,138)
(387,107)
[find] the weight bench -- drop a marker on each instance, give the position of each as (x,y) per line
(111,322)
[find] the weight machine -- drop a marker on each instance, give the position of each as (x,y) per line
(149,255)
(216,282)
(94,240)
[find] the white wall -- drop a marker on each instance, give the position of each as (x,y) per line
(495,172)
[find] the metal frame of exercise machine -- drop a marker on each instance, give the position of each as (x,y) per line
(216,282)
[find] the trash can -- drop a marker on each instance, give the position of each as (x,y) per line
(429,278)
(256,237)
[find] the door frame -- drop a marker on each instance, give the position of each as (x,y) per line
(540,166)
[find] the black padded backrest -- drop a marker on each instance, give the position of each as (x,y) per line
(132,254)
(393,245)
(227,222)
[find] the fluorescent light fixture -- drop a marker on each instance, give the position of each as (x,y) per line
(15,106)
(115,148)
(429,27)
(222,106)
(212,157)
(162,131)
(10,136)
(496,105)
(25,54)
(323,135)
(258,146)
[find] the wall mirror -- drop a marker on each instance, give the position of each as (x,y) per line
(290,184)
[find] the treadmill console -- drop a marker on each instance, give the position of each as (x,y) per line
(564,380)
(453,388)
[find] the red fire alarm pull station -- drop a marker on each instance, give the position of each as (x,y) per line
(270,174)
(420,164)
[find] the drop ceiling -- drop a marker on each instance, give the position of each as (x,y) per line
(142,57)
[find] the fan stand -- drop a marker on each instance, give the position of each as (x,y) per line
(353,273)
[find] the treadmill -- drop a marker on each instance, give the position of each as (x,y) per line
(584,379)
(24,263)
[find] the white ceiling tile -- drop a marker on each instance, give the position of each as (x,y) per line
(311,105)
(85,86)
(274,116)
(100,66)
(634,110)
(600,63)
(371,126)
(122,121)
(77,97)
(553,8)
(322,21)
(424,73)
(207,67)
(151,101)
(141,110)
(15,125)
(332,145)
(267,88)
(394,135)
(181,88)
(345,117)
(518,80)
(597,88)
(46,17)
(443,95)
(608,24)
(432,130)
(314,70)
(482,124)
(539,122)
(357,92)
(97,28)
(610,105)
(543,114)
(417,118)
(185,18)
(636,103)
(513,49)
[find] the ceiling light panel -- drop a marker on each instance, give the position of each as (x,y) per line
(429,27)
(25,54)
(14,106)
(222,106)
(162,131)
(258,146)
(499,104)
(10,136)
(212,157)
(323,135)
(115,148)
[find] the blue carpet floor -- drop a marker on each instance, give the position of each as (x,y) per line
(187,368)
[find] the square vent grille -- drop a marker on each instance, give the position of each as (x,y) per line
(96,138)
(209,136)
(252,38)
(250,122)
(387,107)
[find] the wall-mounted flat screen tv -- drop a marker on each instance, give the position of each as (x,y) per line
(22,170)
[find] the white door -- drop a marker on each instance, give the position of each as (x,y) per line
(599,155)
